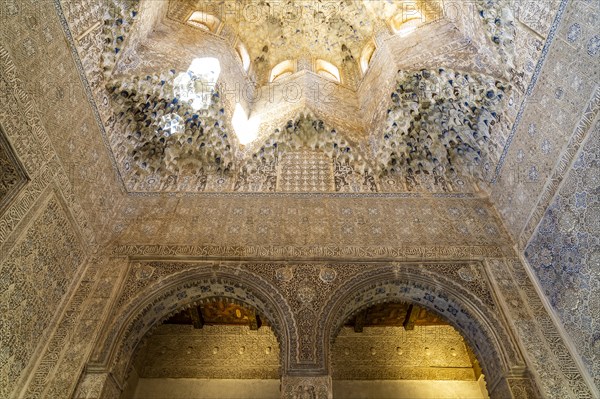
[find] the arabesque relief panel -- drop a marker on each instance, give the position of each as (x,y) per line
(306,287)
(58,139)
(37,273)
(564,252)
(540,149)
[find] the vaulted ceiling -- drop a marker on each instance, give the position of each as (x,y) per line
(355,96)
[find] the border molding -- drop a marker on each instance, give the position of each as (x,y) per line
(342,253)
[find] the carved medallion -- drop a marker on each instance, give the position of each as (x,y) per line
(284,274)
(327,275)
(306,294)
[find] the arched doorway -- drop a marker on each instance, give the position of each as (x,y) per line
(449,293)
(137,317)
(217,348)
(401,350)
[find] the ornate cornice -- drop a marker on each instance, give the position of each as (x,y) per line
(286,252)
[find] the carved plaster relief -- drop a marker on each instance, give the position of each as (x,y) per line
(13,177)
(37,274)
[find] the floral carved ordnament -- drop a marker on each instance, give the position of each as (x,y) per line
(306,387)
(522,388)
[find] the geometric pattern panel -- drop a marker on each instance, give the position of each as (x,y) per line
(305,171)
(316,221)
(12,175)
(565,253)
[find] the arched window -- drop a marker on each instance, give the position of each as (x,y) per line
(328,70)
(245,128)
(406,21)
(365,57)
(281,70)
(207,68)
(243,54)
(204,21)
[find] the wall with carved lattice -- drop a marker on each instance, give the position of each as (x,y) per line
(77,244)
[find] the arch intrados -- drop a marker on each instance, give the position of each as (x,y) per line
(210,299)
(328,70)
(243,55)
(204,21)
(366,56)
(493,365)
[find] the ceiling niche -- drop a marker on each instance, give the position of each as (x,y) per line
(282,70)
(440,132)
(204,21)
